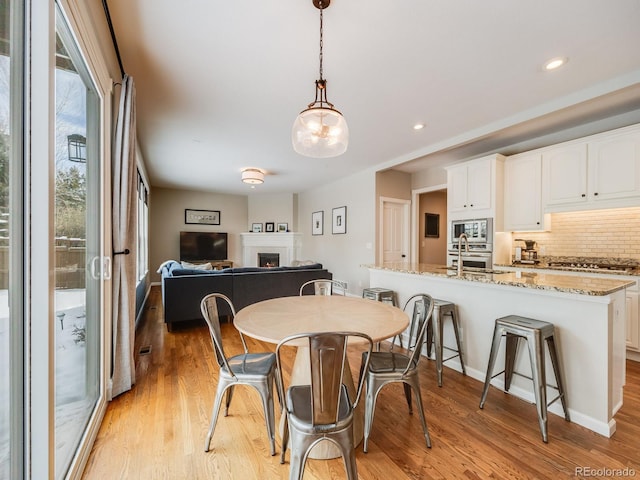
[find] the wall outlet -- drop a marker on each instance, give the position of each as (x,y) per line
(342,284)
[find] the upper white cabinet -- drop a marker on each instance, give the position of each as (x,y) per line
(475,189)
(523,194)
(602,171)
(614,166)
(565,174)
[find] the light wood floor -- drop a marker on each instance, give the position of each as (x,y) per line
(157,430)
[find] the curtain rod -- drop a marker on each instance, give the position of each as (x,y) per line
(113,35)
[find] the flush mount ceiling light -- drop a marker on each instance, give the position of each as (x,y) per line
(320,130)
(252,176)
(418,126)
(555,63)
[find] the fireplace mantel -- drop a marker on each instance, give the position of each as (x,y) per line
(287,244)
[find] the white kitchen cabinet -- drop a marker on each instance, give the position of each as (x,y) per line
(457,188)
(474,189)
(523,194)
(633,327)
(564,171)
(601,171)
(614,167)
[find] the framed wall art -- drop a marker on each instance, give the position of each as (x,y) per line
(317,222)
(283,227)
(269,227)
(202,217)
(256,227)
(432,225)
(339,220)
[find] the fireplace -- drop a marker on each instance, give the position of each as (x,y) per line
(285,244)
(268,259)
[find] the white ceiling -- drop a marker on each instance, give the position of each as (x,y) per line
(219,83)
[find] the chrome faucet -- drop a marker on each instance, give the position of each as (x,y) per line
(466,249)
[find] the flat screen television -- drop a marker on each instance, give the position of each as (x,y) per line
(203,246)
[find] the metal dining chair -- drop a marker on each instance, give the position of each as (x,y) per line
(322,410)
(392,366)
(257,370)
(323,287)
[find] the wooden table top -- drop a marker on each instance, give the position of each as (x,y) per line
(274,319)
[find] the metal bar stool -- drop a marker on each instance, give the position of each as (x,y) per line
(435,335)
(382,295)
(534,332)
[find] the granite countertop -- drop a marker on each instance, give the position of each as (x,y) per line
(633,271)
(540,281)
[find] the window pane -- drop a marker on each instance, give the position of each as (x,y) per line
(10,320)
(77,242)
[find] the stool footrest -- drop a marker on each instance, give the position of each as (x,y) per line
(449,358)
(555,399)
(529,378)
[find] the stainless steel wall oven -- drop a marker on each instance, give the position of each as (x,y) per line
(479,240)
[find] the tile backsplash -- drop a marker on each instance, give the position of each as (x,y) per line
(594,233)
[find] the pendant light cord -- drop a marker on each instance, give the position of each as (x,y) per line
(321,10)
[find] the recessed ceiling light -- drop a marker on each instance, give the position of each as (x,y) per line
(418,126)
(555,63)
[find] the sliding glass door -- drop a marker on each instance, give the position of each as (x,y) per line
(11,245)
(77,247)
(54,124)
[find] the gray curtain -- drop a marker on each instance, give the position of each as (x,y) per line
(124,225)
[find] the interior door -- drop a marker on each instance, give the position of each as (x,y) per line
(394,230)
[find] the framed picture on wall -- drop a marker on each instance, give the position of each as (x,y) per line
(269,227)
(283,227)
(432,225)
(256,227)
(317,223)
(202,217)
(339,220)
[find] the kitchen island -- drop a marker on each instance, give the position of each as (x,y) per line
(588,314)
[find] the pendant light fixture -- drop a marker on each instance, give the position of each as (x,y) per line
(320,130)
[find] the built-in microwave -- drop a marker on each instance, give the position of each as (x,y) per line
(480,260)
(479,230)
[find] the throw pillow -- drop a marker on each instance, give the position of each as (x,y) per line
(195,266)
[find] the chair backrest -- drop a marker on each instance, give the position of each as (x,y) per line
(420,317)
(209,309)
(323,287)
(327,360)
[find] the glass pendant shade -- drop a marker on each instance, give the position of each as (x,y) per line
(320,132)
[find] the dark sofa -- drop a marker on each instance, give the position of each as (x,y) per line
(183,288)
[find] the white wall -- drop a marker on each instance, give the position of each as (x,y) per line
(167,221)
(430,177)
(275,208)
(342,254)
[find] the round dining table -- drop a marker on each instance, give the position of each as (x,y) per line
(273,320)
